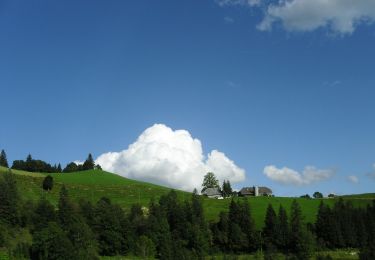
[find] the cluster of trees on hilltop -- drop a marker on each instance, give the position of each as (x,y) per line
(172,229)
(89,164)
(32,165)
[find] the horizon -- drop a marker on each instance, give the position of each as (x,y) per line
(166,92)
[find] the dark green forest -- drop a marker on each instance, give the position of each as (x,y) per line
(171,228)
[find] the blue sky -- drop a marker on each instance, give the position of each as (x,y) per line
(91,76)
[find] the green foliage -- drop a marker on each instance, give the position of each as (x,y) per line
(270,229)
(282,230)
(227,189)
(71,167)
(47,183)
(44,212)
(52,243)
(145,248)
(3,159)
(89,164)
(318,195)
(9,199)
(210,181)
(107,226)
(32,165)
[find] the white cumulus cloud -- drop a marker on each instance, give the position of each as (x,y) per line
(353,179)
(288,176)
(170,157)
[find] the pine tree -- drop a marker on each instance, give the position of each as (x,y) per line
(66,209)
(3,159)
(59,170)
(9,199)
(227,189)
(107,227)
(89,164)
(44,213)
(52,243)
(270,227)
(247,225)
(300,238)
(282,234)
(323,227)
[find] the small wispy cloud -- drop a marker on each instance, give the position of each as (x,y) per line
(309,175)
(353,179)
(228,20)
(238,2)
(372,174)
(340,17)
(332,83)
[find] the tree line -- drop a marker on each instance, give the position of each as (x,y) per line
(32,165)
(172,228)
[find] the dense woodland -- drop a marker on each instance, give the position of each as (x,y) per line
(172,228)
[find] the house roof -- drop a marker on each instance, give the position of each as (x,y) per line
(212,192)
(265,190)
(247,190)
(251,190)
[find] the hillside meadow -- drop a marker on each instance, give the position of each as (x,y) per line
(94,184)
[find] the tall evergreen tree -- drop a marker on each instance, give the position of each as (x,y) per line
(282,230)
(89,164)
(108,228)
(59,170)
(66,209)
(44,213)
(9,199)
(247,225)
(226,189)
(270,228)
(52,243)
(158,231)
(300,238)
(3,159)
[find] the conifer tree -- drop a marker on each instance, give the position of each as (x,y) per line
(227,189)
(300,238)
(59,170)
(52,243)
(3,159)
(44,213)
(89,164)
(9,199)
(66,209)
(270,227)
(282,234)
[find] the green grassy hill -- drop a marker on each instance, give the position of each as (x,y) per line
(94,184)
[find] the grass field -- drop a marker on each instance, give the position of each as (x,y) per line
(344,254)
(92,185)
